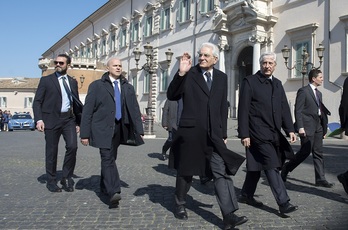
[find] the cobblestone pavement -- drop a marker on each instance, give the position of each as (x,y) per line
(147,193)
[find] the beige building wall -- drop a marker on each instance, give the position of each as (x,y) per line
(241,29)
(17,94)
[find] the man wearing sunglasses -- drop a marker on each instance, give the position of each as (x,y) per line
(57,112)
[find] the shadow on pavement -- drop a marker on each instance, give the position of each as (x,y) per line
(156,193)
(93,184)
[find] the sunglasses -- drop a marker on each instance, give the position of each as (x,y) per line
(59,62)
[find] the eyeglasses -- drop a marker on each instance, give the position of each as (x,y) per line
(59,62)
(205,55)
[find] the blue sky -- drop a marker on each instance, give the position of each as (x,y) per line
(30,27)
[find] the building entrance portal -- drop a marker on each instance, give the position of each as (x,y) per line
(245,68)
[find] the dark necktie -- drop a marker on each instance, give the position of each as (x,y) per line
(270,82)
(67,90)
(208,75)
(118,114)
(317,96)
(318,99)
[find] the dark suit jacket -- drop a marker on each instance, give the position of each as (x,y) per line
(48,100)
(98,116)
(170,115)
(203,123)
(306,111)
(343,109)
(262,113)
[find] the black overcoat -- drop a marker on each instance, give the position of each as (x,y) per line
(202,125)
(343,108)
(98,116)
(263,111)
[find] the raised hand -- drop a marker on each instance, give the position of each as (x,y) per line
(185,64)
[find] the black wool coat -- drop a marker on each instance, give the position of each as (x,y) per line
(202,125)
(263,112)
(98,116)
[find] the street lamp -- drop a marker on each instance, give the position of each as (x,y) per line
(304,60)
(150,67)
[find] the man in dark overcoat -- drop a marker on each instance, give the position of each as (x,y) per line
(343,112)
(201,136)
(263,111)
(108,121)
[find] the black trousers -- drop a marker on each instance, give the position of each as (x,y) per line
(310,144)
(223,184)
(275,182)
(110,178)
(66,128)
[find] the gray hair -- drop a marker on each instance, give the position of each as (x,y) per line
(109,59)
(214,48)
(268,54)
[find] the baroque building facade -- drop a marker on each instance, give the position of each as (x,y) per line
(241,29)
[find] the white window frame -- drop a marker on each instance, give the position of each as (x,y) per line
(301,35)
(166,19)
(135,27)
(3,102)
(146,83)
(164,81)
(123,34)
(148,25)
(298,48)
(82,50)
(151,21)
(184,11)
(344,19)
(206,6)
(28,102)
(135,32)
(113,38)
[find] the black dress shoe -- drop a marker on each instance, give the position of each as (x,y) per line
(115,200)
(324,184)
(231,220)
(287,208)
(180,212)
(67,184)
(250,201)
(53,188)
(341,178)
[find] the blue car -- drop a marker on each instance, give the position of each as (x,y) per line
(21,121)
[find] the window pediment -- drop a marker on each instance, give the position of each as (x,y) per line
(167,3)
(124,21)
(310,27)
(113,27)
(344,19)
(96,36)
(149,7)
(104,32)
(136,15)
